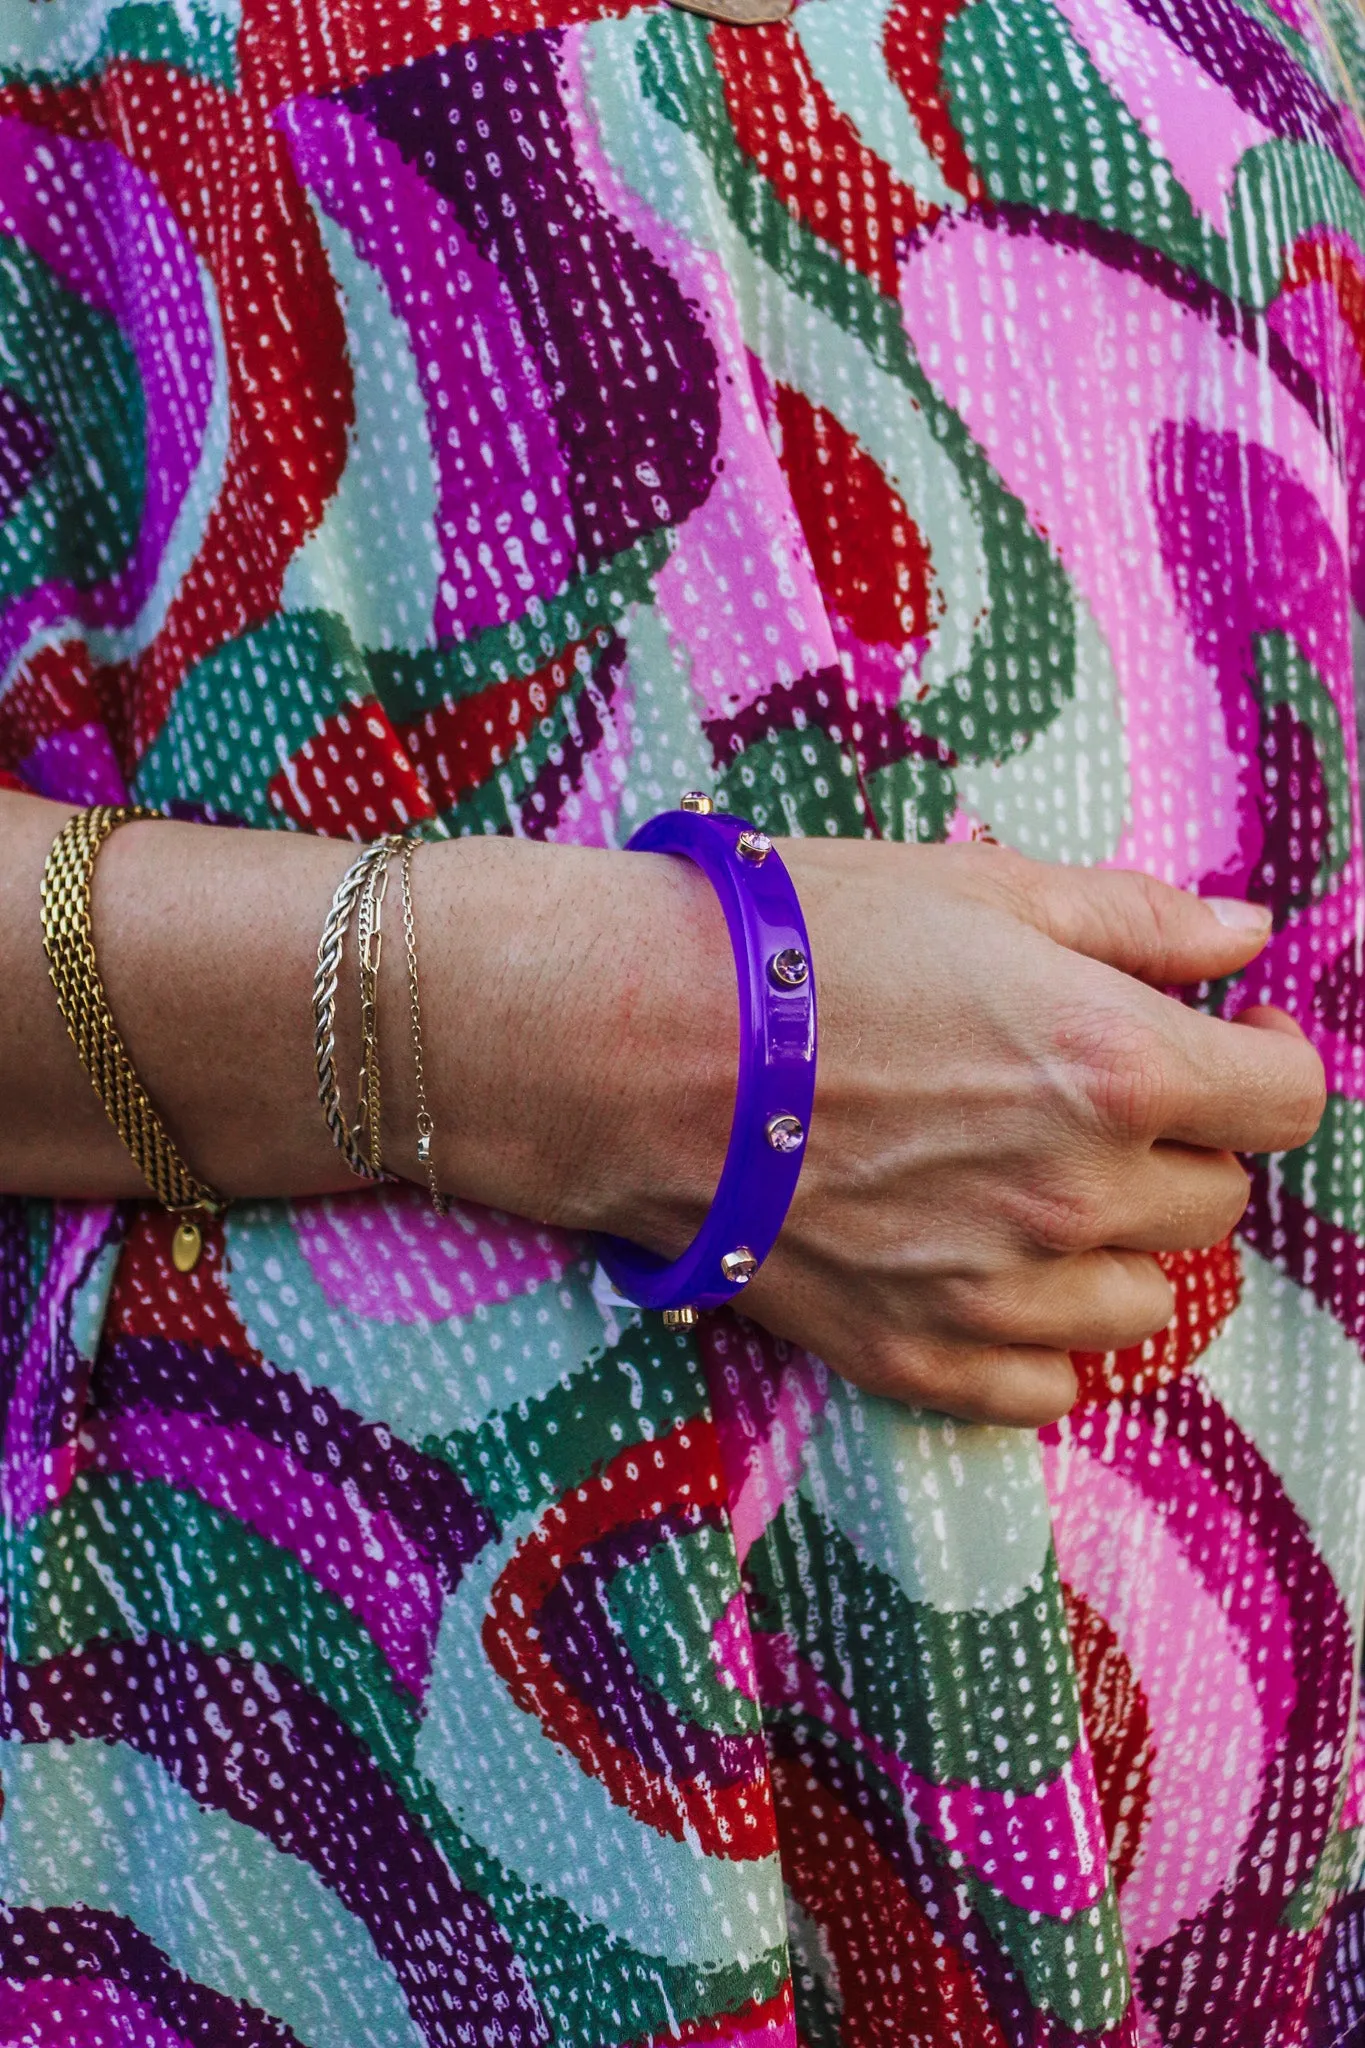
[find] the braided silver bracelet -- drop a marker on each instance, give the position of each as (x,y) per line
(331,947)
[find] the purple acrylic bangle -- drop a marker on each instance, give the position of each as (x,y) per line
(775,1088)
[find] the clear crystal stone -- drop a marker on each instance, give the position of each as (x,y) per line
(754,846)
(785,1133)
(789,968)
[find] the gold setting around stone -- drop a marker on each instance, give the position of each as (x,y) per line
(739,1266)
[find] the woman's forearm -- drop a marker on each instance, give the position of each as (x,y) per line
(534,971)
(1009,1118)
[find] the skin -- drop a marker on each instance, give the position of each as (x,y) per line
(1010,1118)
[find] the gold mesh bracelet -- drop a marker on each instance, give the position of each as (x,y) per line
(69,944)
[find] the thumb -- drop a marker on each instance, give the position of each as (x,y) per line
(1143,927)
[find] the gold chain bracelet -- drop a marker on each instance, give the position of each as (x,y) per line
(426,1126)
(68,941)
(370,945)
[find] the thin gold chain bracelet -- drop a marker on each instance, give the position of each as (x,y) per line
(426,1126)
(370,945)
(68,941)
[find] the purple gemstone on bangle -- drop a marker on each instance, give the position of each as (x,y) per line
(789,968)
(785,1133)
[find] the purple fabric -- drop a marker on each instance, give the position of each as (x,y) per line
(81,1943)
(1180,1984)
(1229,317)
(25,445)
(329,1804)
(587,1650)
(878,733)
(425,1497)
(503,519)
(1120,250)
(1251,63)
(357,1554)
(92,2014)
(585,714)
(1315,1252)
(1311,321)
(1339,997)
(82,207)
(937,1888)
(50,1384)
(1296,814)
(1338,2016)
(1224,509)
(630,369)
(14,1288)
(77,766)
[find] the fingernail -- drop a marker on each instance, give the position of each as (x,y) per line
(1239,917)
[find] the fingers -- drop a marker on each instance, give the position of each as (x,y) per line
(1176,1199)
(1245,1086)
(1097,1301)
(1019,1386)
(1142,927)
(1265,1017)
(1252,1086)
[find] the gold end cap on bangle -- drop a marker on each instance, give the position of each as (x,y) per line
(681,1318)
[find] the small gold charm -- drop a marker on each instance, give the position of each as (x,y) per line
(186,1245)
(681,1318)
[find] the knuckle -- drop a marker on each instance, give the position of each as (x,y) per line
(1129,1079)
(1153,900)
(1062,1219)
(1130,913)
(975,1306)
(996,871)
(899,1368)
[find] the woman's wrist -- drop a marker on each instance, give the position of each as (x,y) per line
(578,1013)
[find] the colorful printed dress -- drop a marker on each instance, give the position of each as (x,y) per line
(915,419)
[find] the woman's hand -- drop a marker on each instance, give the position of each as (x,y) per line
(1010,1120)
(1009,1117)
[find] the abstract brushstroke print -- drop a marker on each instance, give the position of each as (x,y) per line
(919,419)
